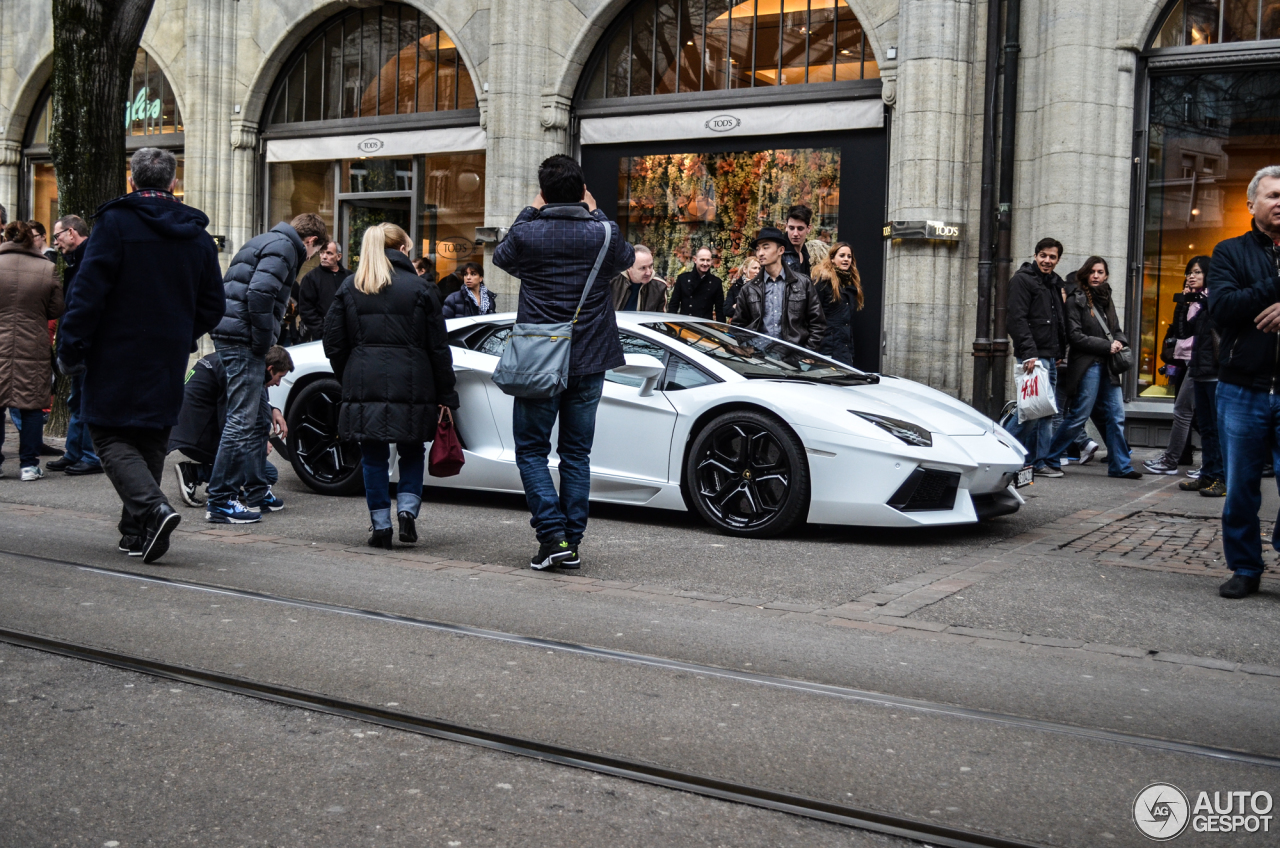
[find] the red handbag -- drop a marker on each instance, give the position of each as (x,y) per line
(445,459)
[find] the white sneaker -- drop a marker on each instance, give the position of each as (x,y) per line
(1088,451)
(33,472)
(1194,473)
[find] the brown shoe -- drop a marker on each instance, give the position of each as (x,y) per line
(1193,485)
(1215,489)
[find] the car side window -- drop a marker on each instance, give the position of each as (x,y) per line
(495,343)
(682,374)
(635,344)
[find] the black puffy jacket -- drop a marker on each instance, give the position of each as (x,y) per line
(1244,279)
(258,285)
(391,352)
(461,304)
(1036,318)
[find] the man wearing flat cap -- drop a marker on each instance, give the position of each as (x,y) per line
(780,301)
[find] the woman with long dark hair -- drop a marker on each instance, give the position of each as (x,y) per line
(1198,333)
(385,337)
(839,288)
(473,298)
(1095,336)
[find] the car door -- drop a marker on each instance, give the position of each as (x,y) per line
(633,433)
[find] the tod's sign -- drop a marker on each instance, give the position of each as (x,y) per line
(723,123)
(924,231)
(370,145)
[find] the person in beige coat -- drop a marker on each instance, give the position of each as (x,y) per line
(30,297)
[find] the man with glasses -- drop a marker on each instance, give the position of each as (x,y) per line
(70,236)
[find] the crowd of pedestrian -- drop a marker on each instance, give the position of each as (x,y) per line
(131,318)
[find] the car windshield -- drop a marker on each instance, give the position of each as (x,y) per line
(758,357)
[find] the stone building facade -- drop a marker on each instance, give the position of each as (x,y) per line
(910,149)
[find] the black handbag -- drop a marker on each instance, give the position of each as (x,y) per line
(1120,361)
(1167,349)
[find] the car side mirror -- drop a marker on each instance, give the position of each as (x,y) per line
(644,366)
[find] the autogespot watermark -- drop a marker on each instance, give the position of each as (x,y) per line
(1162,812)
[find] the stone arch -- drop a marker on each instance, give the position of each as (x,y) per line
(878,19)
(177,82)
(24,105)
(1146,15)
(254,105)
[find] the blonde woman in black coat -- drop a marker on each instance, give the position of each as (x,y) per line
(385,338)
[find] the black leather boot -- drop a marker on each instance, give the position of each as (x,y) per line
(381,539)
(408,532)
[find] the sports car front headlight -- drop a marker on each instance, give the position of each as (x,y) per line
(912,434)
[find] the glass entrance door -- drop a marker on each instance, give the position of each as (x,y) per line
(360,214)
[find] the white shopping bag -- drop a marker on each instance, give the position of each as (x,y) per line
(1035,395)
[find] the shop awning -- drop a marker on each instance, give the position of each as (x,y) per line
(449,140)
(762,120)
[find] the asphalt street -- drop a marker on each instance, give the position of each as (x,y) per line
(1049,635)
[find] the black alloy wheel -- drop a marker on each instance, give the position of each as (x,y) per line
(747,475)
(325,464)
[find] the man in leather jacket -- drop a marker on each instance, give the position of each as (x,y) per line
(780,301)
(1244,303)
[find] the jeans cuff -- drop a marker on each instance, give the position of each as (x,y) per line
(406,502)
(1248,572)
(381,518)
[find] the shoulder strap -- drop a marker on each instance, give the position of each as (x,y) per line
(1099,319)
(595,270)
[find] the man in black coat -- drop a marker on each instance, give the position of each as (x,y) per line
(315,294)
(148,288)
(71,236)
(258,285)
(552,247)
(1037,324)
(1244,303)
(699,292)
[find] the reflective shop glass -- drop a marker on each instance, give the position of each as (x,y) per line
(673,46)
(1208,135)
(297,187)
(151,108)
(388,59)
(677,203)
(44,191)
(1194,23)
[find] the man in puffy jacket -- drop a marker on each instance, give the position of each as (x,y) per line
(1037,324)
(147,289)
(1244,303)
(258,285)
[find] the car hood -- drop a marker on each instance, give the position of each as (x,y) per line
(814,404)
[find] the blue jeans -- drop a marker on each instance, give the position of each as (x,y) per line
(562,516)
(1248,424)
(1207,419)
(243,448)
(204,473)
(30,424)
(376,459)
(1095,388)
(1036,435)
(79,446)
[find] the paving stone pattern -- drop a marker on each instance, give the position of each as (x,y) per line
(1167,541)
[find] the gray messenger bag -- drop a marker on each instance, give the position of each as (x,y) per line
(535,363)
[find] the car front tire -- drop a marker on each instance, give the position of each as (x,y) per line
(322,461)
(747,476)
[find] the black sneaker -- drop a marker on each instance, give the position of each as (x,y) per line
(50,450)
(82,469)
(163,524)
(1213,489)
(408,532)
(551,555)
(131,545)
(59,464)
(1239,587)
(188,482)
(1195,484)
(1128,475)
(574,561)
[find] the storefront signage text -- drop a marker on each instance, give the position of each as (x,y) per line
(456,247)
(723,123)
(924,230)
(370,145)
(141,109)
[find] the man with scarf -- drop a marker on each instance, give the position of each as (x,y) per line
(473,298)
(1038,329)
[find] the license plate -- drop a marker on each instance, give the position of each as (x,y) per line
(1024,478)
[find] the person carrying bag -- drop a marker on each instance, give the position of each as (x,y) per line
(564,340)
